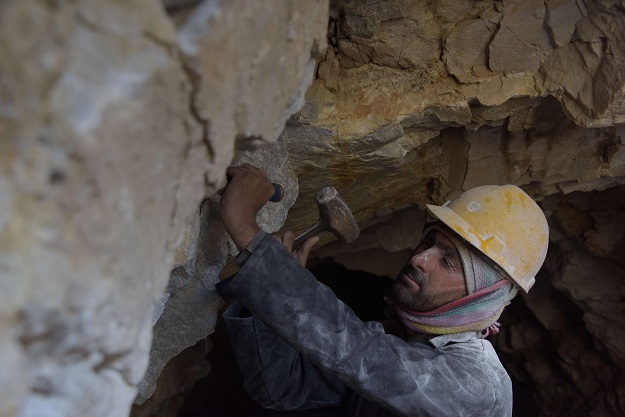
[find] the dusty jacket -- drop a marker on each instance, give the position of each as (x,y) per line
(303,348)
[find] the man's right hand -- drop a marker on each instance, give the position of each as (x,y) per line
(248,191)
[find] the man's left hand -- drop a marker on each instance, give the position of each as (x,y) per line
(301,254)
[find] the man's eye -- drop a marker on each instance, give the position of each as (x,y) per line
(447,263)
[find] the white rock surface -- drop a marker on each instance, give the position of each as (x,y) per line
(115,123)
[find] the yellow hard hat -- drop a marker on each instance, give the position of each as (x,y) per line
(503,223)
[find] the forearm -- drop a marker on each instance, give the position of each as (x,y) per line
(292,302)
(297,307)
(274,374)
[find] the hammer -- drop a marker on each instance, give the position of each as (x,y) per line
(334,216)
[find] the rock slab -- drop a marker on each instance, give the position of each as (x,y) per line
(117,120)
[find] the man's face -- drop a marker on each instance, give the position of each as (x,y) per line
(432,277)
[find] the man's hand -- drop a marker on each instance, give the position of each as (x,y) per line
(301,254)
(247,192)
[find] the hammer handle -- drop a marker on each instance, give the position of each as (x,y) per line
(313,231)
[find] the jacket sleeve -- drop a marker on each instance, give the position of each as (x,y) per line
(406,378)
(274,374)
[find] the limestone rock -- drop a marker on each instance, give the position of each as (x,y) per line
(177,379)
(561,18)
(581,258)
(190,308)
(398,34)
(89,188)
(243,83)
(586,70)
(521,42)
(187,310)
(116,122)
(465,49)
(329,70)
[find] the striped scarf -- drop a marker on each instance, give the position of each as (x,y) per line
(488,293)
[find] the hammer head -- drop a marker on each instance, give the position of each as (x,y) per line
(335,216)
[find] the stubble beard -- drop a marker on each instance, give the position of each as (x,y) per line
(406,295)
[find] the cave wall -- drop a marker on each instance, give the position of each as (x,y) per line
(118,121)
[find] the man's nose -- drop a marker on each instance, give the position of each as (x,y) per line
(423,260)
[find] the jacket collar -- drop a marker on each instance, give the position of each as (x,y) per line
(441,340)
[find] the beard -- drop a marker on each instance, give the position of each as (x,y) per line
(405,294)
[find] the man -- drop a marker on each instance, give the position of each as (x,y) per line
(299,347)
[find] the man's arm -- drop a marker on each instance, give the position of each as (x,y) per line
(409,379)
(275,375)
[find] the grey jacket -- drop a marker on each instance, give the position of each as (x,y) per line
(303,348)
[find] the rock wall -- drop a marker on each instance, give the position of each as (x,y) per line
(117,119)
(435,131)
(576,365)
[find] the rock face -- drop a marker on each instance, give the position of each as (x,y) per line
(187,311)
(586,268)
(118,120)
